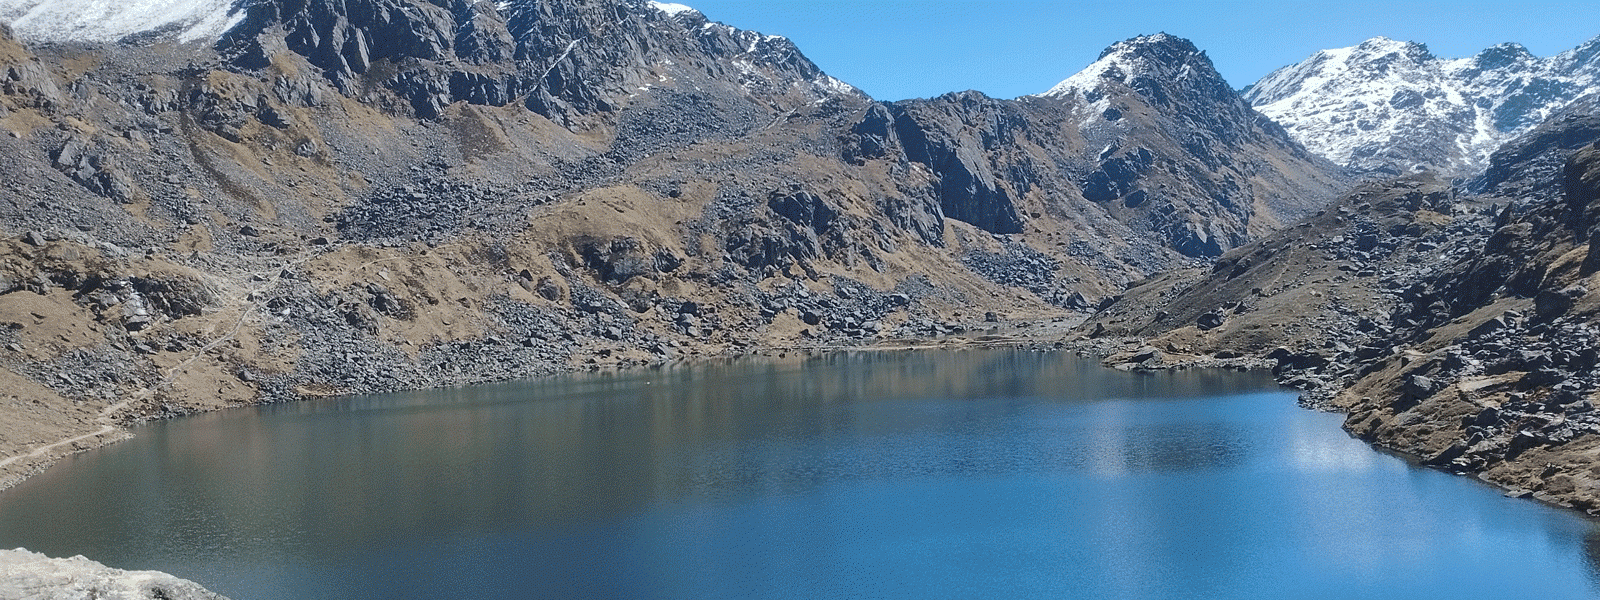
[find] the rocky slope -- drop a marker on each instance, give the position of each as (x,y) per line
(1393,107)
(345,197)
(1456,328)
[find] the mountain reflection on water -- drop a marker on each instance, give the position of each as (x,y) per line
(979,473)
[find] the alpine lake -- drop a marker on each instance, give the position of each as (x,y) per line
(981,473)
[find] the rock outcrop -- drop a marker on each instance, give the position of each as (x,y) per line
(1138,139)
(34,576)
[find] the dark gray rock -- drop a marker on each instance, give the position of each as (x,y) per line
(1419,386)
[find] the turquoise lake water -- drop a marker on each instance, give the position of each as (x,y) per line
(954,474)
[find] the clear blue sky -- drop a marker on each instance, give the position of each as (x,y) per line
(897,49)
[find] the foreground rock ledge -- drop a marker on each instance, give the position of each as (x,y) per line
(28,575)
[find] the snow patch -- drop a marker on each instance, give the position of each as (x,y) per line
(109,21)
(831,85)
(672,9)
(1115,64)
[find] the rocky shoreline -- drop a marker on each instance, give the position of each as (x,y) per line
(1460,330)
(1137,354)
(36,576)
(1128,354)
(500,361)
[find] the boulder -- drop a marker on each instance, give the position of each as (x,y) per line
(38,577)
(1419,386)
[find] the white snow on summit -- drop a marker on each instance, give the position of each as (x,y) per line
(1120,61)
(671,8)
(1387,104)
(1136,63)
(108,21)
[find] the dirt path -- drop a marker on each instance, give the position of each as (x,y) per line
(15,468)
(41,451)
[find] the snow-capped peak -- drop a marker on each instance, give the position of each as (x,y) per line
(1123,61)
(672,9)
(108,20)
(1392,105)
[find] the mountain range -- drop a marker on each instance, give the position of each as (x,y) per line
(1387,106)
(213,203)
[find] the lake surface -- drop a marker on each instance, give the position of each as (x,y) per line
(961,474)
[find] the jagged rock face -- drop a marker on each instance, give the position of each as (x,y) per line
(1580,179)
(957,137)
(662,80)
(22,77)
(998,161)
(597,57)
(1161,67)
(560,58)
(1393,107)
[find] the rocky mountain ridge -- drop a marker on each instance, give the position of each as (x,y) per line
(559,59)
(1180,97)
(1393,107)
